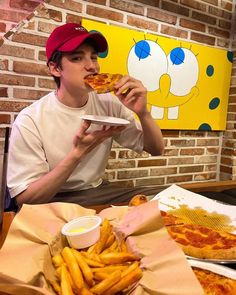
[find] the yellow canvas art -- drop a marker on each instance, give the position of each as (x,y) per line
(187,83)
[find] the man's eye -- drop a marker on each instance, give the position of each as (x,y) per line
(76,58)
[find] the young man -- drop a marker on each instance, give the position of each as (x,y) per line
(52,149)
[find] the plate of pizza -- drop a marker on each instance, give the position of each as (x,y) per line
(106,120)
(214,279)
(103,82)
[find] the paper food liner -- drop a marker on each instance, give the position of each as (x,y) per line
(34,235)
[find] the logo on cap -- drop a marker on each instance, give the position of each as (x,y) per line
(80,29)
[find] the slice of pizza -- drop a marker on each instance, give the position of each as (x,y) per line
(204,242)
(213,283)
(171,219)
(103,82)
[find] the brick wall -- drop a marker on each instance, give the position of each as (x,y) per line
(189,155)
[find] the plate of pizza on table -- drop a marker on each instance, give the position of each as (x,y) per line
(215,279)
(203,228)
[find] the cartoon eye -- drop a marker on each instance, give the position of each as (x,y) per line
(147,62)
(183,70)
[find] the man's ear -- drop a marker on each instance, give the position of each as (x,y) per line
(54,69)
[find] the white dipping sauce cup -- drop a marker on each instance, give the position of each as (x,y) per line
(82,232)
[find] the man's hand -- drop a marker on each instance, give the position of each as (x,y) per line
(132,94)
(85,141)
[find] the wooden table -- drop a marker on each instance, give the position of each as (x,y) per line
(214,186)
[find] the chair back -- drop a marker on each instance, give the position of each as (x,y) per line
(4,174)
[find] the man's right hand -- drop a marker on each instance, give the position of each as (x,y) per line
(85,141)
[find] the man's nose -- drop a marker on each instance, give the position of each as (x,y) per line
(89,64)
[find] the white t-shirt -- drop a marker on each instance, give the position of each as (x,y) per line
(43,133)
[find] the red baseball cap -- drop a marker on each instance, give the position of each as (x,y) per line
(68,37)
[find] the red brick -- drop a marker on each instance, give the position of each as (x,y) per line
(128,174)
(192,152)
(154,181)
(46,83)
(203,38)
(3,92)
(12,106)
(205,18)
(171,31)
(208,142)
(5,119)
(104,13)
(51,14)
(161,16)
(12,16)
(154,3)
(205,176)
(194,4)
(192,25)
(9,79)
(163,171)
(27,38)
(120,164)
(3,64)
(175,8)
(181,161)
(46,27)
(17,51)
(226,5)
(28,93)
(152,162)
(129,154)
(217,32)
(191,169)
(66,4)
(2,27)
(30,68)
(24,4)
(72,18)
(179,179)
(224,24)
(142,23)
(127,6)
(182,142)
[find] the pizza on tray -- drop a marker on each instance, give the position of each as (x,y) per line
(213,283)
(201,241)
(103,82)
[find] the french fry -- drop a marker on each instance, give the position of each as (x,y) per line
(66,288)
(110,240)
(92,256)
(73,267)
(93,263)
(85,269)
(56,287)
(117,257)
(124,282)
(85,291)
(105,232)
(101,287)
(130,269)
(99,276)
(123,247)
(57,260)
(110,268)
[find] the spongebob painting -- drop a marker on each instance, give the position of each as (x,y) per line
(187,83)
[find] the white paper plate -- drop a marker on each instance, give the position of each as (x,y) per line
(218,261)
(106,120)
(219,269)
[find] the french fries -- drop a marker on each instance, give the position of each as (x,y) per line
(107,267)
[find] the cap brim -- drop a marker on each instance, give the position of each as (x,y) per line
(72,44)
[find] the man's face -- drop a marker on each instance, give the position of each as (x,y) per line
(77,65)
